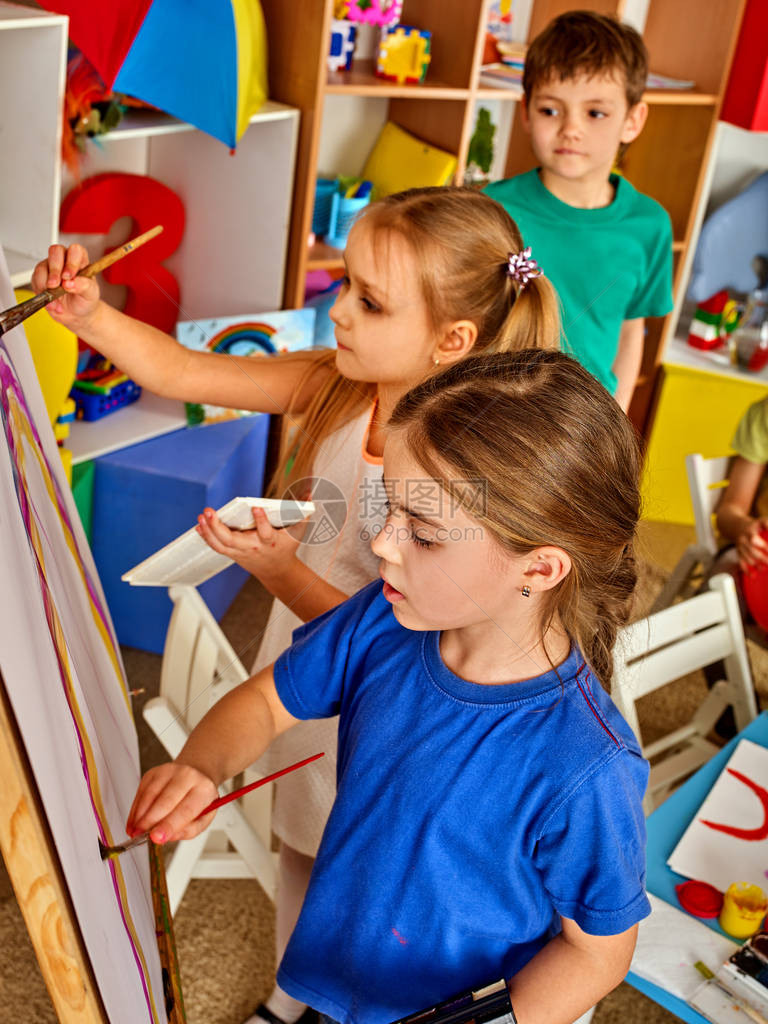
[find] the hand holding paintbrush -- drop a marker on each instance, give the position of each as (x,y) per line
(12,317)
(111,851)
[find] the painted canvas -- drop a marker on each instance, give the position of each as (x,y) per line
(263,334)
(726,840)
(61,667)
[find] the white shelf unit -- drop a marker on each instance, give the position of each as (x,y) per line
(144,419)
(232,256)
(738,156)
(33,57)
(680,353)
(237,206)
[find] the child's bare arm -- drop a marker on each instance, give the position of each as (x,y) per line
(232,735)
(629,357)
(157,361)
(586,966)
(734,519)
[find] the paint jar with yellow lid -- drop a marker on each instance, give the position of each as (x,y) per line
(744,907)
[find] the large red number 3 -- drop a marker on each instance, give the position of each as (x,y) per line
(96,203)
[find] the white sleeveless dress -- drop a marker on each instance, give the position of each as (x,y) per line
(339,550)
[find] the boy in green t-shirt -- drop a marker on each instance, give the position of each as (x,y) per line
(606,247)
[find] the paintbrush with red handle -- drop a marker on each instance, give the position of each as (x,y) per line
(12,317)
(111,851)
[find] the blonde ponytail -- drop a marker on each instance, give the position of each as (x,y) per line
(533,320)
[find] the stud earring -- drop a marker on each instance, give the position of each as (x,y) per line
(526,591)
(437,361)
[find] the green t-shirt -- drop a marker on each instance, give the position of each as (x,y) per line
(608,265)
(751,442)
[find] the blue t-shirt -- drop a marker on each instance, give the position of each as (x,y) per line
(609,264)
(468,817)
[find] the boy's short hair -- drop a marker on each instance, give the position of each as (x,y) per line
(584,42)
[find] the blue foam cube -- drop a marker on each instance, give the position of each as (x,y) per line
(146,495)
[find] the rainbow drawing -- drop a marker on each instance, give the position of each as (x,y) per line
(244,339)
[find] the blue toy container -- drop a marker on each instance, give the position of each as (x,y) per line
(343,213)
(321,211)
(92,405)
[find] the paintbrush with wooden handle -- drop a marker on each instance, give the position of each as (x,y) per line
(111,851)
(12,317)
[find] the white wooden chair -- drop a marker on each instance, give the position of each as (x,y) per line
(706,480)
(199,666)
(669,644)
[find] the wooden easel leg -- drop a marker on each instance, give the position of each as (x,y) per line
(33,865)
(166,942)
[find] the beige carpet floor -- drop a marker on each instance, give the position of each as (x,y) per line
(224,928)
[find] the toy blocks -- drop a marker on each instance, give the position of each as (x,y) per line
(712,321)
(404,54)
(342,47)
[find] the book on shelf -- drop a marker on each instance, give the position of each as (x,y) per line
(501,76)
(512,54)
(654,81)
(508,74)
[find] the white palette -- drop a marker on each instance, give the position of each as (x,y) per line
(189,560)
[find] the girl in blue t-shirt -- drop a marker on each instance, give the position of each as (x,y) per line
(488,821)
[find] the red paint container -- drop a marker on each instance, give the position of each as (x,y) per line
(699,898)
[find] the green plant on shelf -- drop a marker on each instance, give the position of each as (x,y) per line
(480,156)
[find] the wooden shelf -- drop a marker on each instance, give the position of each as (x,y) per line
(653,97)
(680,97)
(488,92)
(361,81)
(668,161)
(324,257)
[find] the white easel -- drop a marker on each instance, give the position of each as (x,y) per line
(199,666)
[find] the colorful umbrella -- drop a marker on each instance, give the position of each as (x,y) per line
(204,61)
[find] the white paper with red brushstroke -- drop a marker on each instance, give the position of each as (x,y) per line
(739,854)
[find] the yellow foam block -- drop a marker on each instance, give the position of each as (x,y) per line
(697,411)
(54,353)
(399,160)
